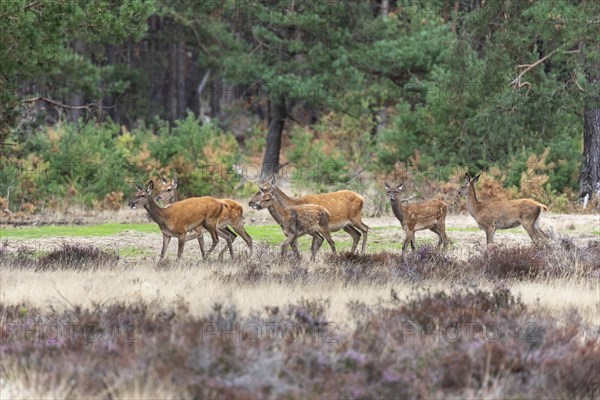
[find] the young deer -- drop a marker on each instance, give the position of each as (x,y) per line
(233,215)
(177,219)
(296,221)
(415,217)
(344,207)
(503,214)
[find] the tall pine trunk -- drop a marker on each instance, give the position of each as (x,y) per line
(277,114)
(180,81)
(589,180)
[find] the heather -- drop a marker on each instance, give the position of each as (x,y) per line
(469,343)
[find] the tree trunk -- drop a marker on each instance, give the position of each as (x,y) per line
(108,100)
(75,96)
(180,89)
(172,82)
(277,114)
(385,7)
(589,180)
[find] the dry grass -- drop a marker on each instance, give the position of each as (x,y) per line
(365,298)
(267,281)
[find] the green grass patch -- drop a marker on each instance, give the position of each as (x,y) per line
(74,231)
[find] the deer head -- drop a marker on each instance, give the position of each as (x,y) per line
(462,191)
(263,198)
(393,192)
(141,196)
(168,190)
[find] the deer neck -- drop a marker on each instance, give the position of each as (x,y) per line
(399,210)
(175,195)
(284,198)
(472,202)
(156,213)
(279,210)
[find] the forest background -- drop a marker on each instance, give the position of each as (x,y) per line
(96,95)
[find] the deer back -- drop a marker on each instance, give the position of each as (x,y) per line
(425,214)
(342,205)
(507,213)
(193,212)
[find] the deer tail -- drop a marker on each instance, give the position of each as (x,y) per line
(542,206)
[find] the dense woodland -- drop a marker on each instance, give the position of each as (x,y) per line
(97,94)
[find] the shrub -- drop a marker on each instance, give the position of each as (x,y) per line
(515,262)
(77,257)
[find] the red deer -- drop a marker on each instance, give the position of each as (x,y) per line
(503,214)
(344,207)
(233,215)
(415,217)
(296,221)
(177,219)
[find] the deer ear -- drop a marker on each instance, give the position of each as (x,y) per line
(138,187)
(273,180)
(400,186)
(467,177)
(175,180)
(150,187)
(387,185)
(163,180)
(476,178)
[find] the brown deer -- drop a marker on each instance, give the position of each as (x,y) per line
(415,217)
(296,221)
(233,215)
(503,214)
(177,219)
(344,207)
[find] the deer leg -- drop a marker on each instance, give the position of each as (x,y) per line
(489,234)
(212,229)
(442,229)
(315,246)
(327,237)
(537,228)
(180,243)
(166,240)
(437,232)
(291,239)
(408,240)
(361,226)
(355,234)
(229,237)
(201,243)
(532,231)
(242,232)
(295,247)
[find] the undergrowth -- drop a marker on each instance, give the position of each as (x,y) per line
(437,344)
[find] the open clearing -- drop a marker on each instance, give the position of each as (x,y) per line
(200,282)
(434,325)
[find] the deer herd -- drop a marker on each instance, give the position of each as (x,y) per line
(318,215)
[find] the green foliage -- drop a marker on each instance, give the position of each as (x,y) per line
(85,164)
(314,165)
(427,87)
(36,35)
